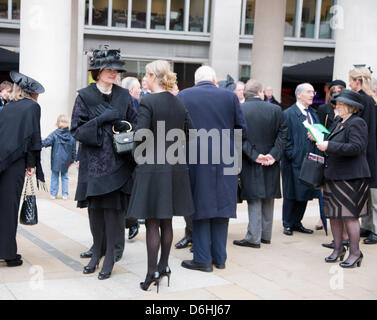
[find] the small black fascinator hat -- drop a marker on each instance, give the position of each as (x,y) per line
(26,83)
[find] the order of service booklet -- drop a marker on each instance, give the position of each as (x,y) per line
(317,130)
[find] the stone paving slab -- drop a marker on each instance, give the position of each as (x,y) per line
(290,268)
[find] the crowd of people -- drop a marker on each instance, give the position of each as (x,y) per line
(120,191)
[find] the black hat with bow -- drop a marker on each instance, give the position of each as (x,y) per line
(106,59)
(29,85)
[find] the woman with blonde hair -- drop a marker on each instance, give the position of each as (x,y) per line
(20,140)
(360,80)
(161,190)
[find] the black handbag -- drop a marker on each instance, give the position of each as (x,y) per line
(311,173)
(123,141)
(29,211)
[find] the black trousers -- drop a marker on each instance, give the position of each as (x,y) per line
(11,185)
(107,227)
(293,212)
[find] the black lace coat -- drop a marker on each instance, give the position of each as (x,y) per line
(104,176)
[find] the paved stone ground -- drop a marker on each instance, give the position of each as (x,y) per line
(290,268)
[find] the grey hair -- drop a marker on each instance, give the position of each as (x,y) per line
(130,82)
(252,88)
(205,73)
(301,87)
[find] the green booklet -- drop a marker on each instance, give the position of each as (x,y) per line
(317,130)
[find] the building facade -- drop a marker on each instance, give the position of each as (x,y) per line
(55,38)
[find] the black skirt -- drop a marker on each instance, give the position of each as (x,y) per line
(345,198)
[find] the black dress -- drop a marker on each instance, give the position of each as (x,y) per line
(20,141)
(161,191)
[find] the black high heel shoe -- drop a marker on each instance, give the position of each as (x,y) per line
(340,256)
(353,265)
(88,270)
(166,273)
(104,275)
(150,281)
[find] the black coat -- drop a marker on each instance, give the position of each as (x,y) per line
(267,134)
(326,115)
(346,153)
(161,190)
(273,101)
(101,169)
(297,147)
(369,115)
(215,193)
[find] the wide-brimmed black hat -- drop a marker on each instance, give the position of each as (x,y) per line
(26,83)
(106,59)
(349,97)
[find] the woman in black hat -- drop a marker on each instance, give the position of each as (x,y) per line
(346,176)
(104,181)
(20,140)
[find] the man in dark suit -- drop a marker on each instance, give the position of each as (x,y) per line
(260,176)
(269,96)
(214,188)
(296,194)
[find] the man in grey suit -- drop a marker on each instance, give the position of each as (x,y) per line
(260,176)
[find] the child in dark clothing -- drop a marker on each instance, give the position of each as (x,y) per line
(63,154)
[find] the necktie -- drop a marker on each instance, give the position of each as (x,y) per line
(308,116)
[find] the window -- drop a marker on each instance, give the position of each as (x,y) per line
(177,13)
(100,12)
(119,14)
(136,68)
(174,15)
(249,18)
(10,9)
(3,9)
(290,18)
(139,14)
(325,31)
(196,18)
(158,15)
(86,12)
(16,6)
(308,18)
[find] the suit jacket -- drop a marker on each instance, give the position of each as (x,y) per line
(297,147)
(215,194)
(267,134)
(273,100)
(346,153)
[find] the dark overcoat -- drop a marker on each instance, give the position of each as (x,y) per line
(161,188)
(297,147)
(101,169)
(215,194)
(369,115)
(267,134)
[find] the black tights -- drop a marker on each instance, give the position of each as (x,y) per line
(106,225)
(153,243)
(353,229)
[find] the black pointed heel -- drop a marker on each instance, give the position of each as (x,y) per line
(340,256)
(357,262)
(166,273)
(150,281)
(88,270)
(104,275)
